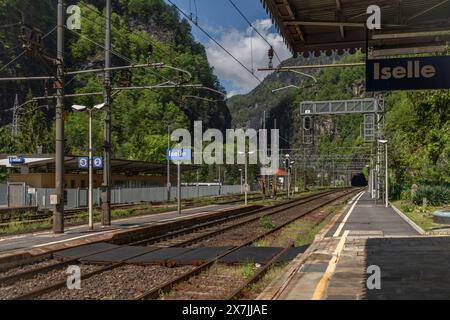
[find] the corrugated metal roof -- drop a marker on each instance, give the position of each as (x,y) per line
(321,25)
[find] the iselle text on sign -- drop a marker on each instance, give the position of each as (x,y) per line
(408,73)
(179,154)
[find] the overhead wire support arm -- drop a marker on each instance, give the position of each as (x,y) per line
(28,78)
(315,66)
(215,41)
(136,66)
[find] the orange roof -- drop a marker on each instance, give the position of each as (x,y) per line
(281,173)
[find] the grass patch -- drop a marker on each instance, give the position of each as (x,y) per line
(266,223)
(20,227)
(421,215)
(252,291)
(300,232)
(248,270)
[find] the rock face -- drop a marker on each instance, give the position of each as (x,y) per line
(247,110)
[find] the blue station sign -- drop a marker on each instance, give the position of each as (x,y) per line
(97,162)
(16,160)
(408,73)
(83,162)
(179,154)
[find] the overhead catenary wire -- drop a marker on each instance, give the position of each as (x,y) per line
(215,41)
(114,29)
(154,43)
(162,66)
(115,53)
(123,57)
(253,27)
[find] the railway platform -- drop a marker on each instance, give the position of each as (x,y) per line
(38,242)
(368,252)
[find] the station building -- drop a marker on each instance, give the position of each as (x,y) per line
(38,171)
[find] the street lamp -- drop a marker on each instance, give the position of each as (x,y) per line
(385,142)
(287,165)
(246,180)
(79,108)
(242,190)
(295,176)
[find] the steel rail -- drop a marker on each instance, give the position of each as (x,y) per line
(278,207)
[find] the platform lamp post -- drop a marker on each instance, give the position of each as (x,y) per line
(288,171)
(79,108)
(242,181)
(246,175)
(385,142)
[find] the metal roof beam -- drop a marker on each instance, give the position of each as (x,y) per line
(325,23)
(339,16)
(421,13)
(292,15)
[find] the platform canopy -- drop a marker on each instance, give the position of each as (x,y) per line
(46,163)
(315,26)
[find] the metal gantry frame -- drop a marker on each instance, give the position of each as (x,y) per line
(373,110)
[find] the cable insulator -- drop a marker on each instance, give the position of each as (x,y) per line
(271,54)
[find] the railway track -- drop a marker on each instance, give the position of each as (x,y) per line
(199,284)
(179,238)
(151,240)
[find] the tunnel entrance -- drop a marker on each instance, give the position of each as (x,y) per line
(359,180)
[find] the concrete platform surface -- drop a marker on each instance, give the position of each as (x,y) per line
(368,252)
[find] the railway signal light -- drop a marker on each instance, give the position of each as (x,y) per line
(307,123)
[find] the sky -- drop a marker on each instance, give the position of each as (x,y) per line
(226,25)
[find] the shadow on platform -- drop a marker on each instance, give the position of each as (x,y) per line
(411,268)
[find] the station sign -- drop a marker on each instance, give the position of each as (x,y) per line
(83,162)
(408,73)
(97,162)
(179,154)
(16,160)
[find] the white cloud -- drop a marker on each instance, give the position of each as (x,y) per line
(241,44)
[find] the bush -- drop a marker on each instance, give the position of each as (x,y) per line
(435,195)
(399,192)
(407,207)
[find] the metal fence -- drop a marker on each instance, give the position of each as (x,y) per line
(78,198)
(3,194)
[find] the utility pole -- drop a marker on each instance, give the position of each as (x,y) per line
(91,190)
(274,187)
(168,164)
(58,214)
(106,192)
(387,176)
(265,178)
(179,187)
(15,119)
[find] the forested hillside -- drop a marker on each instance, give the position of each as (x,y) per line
(139,117)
